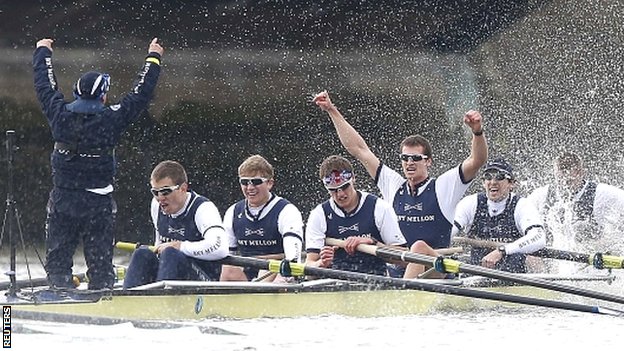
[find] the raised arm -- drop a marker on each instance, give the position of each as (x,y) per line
(349,137)
(478,150)
(46,87)
(145,84)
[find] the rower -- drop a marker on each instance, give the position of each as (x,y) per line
(578,212)
(500,215)
(262,224)
(188,229)
(353,215)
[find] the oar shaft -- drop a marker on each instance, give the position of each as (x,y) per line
(301,269)
(545,252)
(454,266)
(35,282)
(25,283)
(597,260)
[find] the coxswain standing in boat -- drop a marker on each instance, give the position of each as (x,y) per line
(497,214)
(425,206)
(85,133)
(263,224)
(189,233)
(580,212)
(355,216)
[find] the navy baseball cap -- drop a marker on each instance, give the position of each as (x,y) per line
(499,164)
(92,85)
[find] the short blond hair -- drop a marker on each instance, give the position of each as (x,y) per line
(256,164)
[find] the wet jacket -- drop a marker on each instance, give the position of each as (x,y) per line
(86,131)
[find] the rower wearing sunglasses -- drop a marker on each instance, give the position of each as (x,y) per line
(498,214)
(261,225)
(425,206)
(188,232)
(355,216)
(85,132)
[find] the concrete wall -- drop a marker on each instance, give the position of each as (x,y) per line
(551,81)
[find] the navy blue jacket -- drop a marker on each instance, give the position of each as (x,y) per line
(88,127)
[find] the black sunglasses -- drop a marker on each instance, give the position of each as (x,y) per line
(253,181)
(342,187)
(165,190)
(413,157)
(496,175)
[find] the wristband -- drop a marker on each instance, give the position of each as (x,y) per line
(153,60)
(478,132)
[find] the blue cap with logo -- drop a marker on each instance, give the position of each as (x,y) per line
(499,164)
(92,85)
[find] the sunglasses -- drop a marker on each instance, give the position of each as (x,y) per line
(342,187)
(337,177)
(165,190)
(244,181)
(413,157)
(496,175)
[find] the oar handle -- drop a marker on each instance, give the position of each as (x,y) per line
(450,250)
(389,253)
(370,249)
(126,246)
(476,242)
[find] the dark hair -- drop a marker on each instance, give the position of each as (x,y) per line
(170,169)
(334,163)
(417,140)
(568,161)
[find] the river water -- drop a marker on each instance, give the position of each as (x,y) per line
(530,328)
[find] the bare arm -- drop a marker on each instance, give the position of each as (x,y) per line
(349,137)
(479,149)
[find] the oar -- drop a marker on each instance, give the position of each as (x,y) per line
(300,269)
(454,266)
(126,246)
(598,260)
(35,282)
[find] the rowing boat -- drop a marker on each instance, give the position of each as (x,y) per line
(336,293)
(193,300)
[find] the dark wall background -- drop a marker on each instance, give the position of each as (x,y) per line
(238,77)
